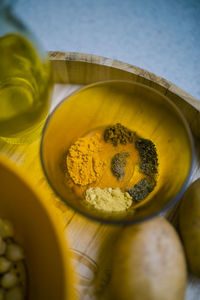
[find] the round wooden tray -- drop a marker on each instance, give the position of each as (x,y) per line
(91,243)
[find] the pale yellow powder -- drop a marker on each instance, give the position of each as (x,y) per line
(108,199)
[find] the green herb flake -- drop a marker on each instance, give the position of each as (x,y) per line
(148,156)
(118,134)
(118,163)
(142,189)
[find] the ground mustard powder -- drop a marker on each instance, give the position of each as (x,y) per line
(83,161)
(107,199)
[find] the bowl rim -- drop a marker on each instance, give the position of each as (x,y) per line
(55,220)
(165,208)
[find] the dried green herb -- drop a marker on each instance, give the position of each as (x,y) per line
(148,156)
(118,134)
(118,163)
(142,189)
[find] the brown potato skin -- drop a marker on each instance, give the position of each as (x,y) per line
(149,263)
(189,226)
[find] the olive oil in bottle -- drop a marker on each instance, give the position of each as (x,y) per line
(25,87)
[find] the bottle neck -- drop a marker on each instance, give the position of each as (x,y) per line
(5,5)
(9,23)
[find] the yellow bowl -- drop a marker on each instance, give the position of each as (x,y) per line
(40,232)
(138,107)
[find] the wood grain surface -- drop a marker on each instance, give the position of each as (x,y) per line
(91,243)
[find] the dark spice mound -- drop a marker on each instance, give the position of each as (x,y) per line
(118,164)
(148,156)
(142,189)
(118,134)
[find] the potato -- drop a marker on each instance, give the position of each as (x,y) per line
(149,263)
(189,225)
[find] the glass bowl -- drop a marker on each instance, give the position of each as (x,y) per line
(138,107)
(40,231)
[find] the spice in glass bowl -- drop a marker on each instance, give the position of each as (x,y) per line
(107,199)
(111,168)
(118,163)
(83,161)
(118,134)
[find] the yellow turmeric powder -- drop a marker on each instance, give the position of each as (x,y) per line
(83,162)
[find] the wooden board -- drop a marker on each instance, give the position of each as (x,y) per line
(91,243)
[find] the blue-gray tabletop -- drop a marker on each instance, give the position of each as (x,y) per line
(160,36)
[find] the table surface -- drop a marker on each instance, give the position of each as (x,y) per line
(160,36)
(92,243)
